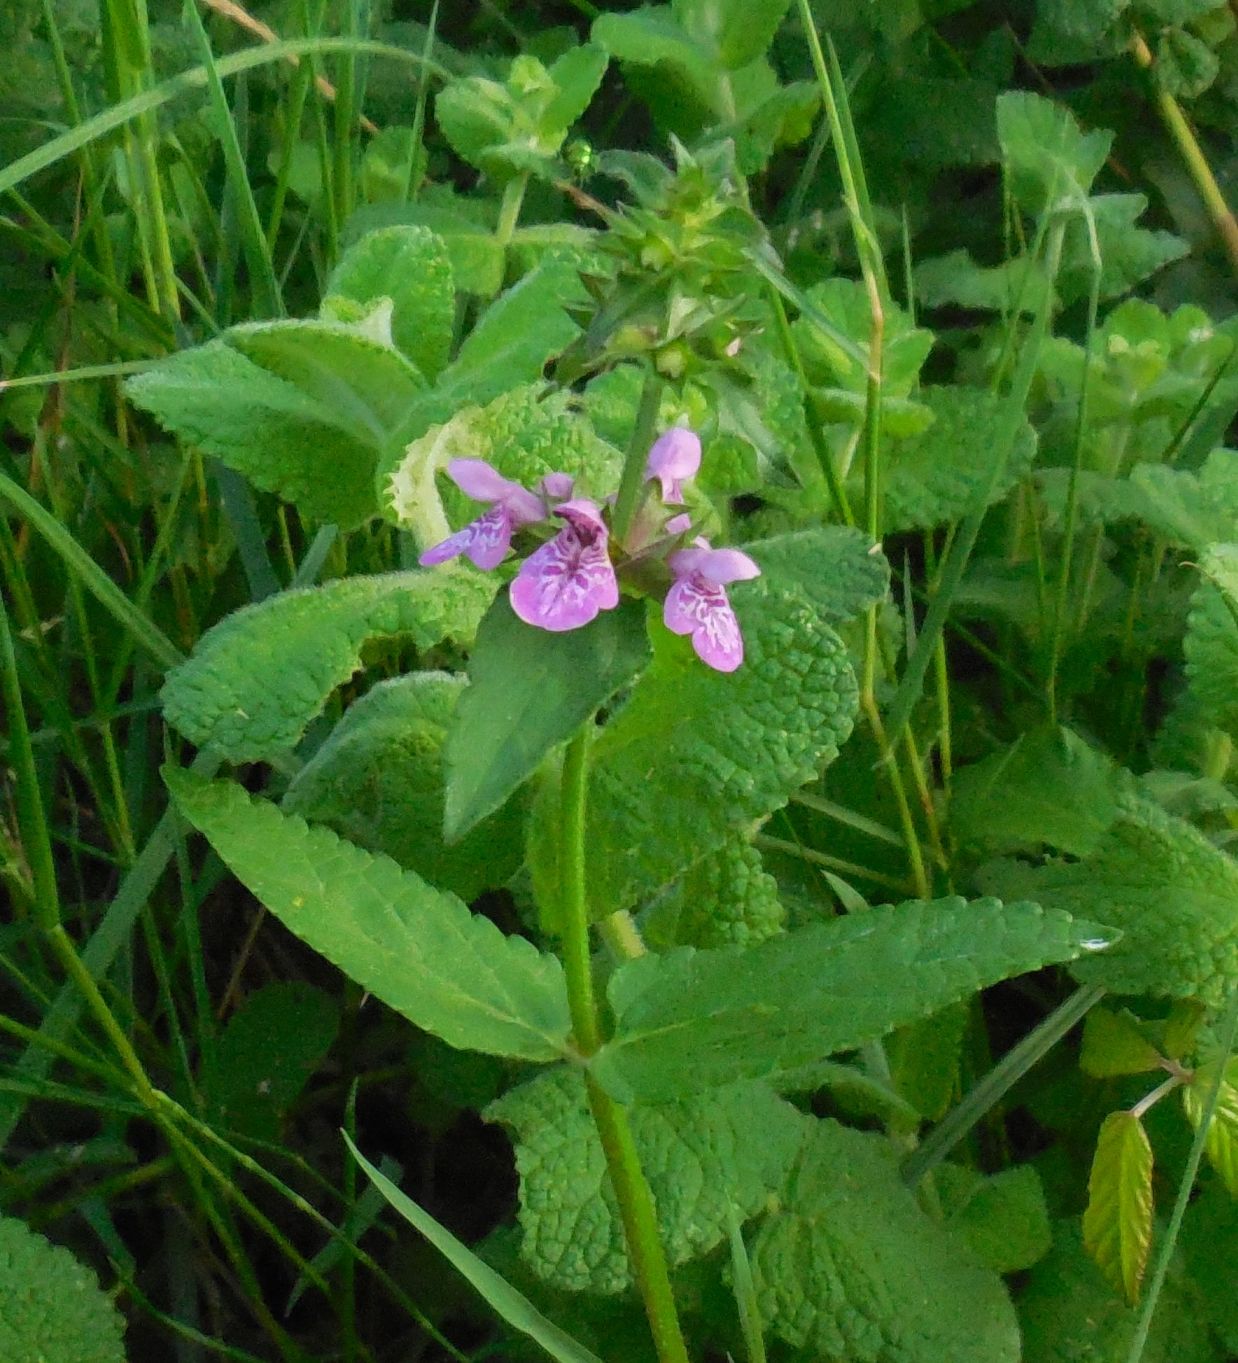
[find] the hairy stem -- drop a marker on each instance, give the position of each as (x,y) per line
(636,1207)
(638,451)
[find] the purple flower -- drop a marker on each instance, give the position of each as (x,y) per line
(487,539)
(565,583)
(697,602)
(674,456)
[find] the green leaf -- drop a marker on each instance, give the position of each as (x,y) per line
(1185,65)
(1172,895)
(1070,1314)
(418,949)
(1113,1045)
(723,750)
(1003,1218)
(1211,642)
(411,267)
(379,781)
(529,690)
(925,1060)
(956,278)
(1211,1222)
(1129,253)
(257,679)
(525,434)
(698,1155)
(271,1046)
(1221,1143)
(1047,157)
(516,335)
(282,439)
(509,1304)
(576,76)
(476,255)
(852,1268)
(739,31)
(1048,788)
(691,1019)
(725,899)
(51,1307)
(1117,1223)
(938,476)
(652,34)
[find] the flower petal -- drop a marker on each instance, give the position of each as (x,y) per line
(557,487)
(678,525)
(480,480)
(726,565)
(485,540)
(700,608)
(565,583)
(585,517)
(674,456)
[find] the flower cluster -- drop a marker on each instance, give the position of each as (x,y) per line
(565,582)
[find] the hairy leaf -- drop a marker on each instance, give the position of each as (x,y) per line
(282,439)
(723,750)
(257,679)
(1211,642)
(418,949)
(1172,895)
(698,1155)
(1117,1222)
(852,1268)
(937,476)
(528,691)
(410,266)
(51,1307)
(379,781)
(691,1019)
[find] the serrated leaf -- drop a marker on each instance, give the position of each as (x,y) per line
(265,1056)
(649,35)
(476,255)
(698,1155)
(1129,253)
(738,31)
(282,439)
(529,690)
(691,1019)
(410,266)
(937,476)
(418,949)
(853,1268)
(1185,65)
(1003,1217)
(379,781)
(1048,788)
(511,1305)
(1171,894)
(576,76)
(723,750)
(1117,1223)
(1047,157)
(257,679)
(52,1309)
(1113,1045)
(1221,1142)
(525,434)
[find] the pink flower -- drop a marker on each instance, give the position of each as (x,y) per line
(487,539)
(674,456)
(565,583)
(697,601)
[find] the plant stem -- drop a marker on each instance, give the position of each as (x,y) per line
(638,451)
(636,1208)
(1192,154)
(509,209)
